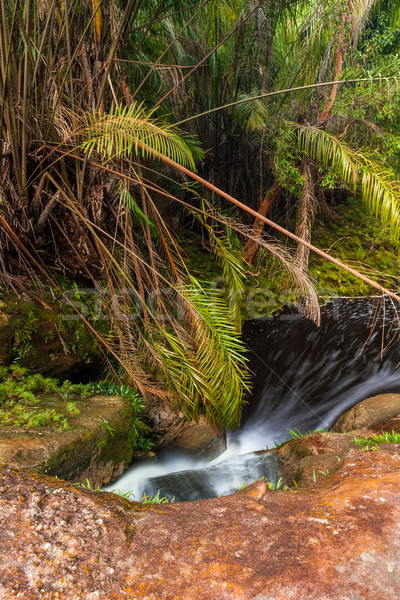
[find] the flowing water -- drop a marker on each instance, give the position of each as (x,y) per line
(304,377)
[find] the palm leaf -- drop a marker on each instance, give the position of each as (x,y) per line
(379,188)
(251,114)
(328,151)
(381,193)
(131,129)
(205,364)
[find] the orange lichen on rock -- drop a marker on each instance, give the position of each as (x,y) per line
(338,540)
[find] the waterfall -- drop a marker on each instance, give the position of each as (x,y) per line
(304,377)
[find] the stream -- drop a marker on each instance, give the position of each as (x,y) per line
(303,377)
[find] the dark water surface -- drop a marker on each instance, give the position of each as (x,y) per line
(304,377)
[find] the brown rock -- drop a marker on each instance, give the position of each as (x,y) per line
(174,431)
(370,413)
(201,438)
(96,447)
(306,459)
(339,541)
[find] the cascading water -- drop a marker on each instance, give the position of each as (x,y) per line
(304,377)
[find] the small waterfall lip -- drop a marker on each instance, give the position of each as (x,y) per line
(181,477)
(304,378)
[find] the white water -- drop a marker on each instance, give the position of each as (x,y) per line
(304,378)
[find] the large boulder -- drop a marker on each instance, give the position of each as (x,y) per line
(372,413)
(339,540)
(95,447)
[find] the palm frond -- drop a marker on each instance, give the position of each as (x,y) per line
(381,193)
(132,129)
(251,114)
(205,364)
(305,215)
(379,188)
(328,151)
(227,251)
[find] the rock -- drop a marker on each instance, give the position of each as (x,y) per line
(5,336)
(339,540)
(370,413)
(307,459)
(96,447)
(201,438)
(43,340)
(172,430)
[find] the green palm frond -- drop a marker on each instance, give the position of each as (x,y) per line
(129,201)
(251,114)
(132,129)
(378,186)
(182,374)
(381,193)
(220,354)
(328,151)
(206,366)
(227,249)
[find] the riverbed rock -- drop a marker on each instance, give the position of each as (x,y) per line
(170,429)
(96,447)
(339,540)
(371,413)
(305,460)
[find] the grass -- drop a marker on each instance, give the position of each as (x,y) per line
(270,485)
(379,438)
(296,433)
(129,495)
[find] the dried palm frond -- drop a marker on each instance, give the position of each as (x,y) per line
(305,215)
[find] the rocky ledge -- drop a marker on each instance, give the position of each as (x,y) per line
(334,536)
(339,540)
(96,446)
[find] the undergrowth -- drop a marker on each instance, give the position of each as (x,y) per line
(21,393)
(130,495)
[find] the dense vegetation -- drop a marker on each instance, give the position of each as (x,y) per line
(130,130)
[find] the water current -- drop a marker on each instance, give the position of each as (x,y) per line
(303,377)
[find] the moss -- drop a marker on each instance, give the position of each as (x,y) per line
(349,233)
(361,241)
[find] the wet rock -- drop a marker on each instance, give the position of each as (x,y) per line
(306,460)
(339,540)
(96,447)
(370,413)
(172,430)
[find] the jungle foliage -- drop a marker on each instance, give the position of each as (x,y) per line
(129,125)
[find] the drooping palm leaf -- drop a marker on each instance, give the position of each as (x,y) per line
(379,188)
(328,151)
(381,192)
(133,129)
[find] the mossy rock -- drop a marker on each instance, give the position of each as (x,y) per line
(95,447)
(43,340)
